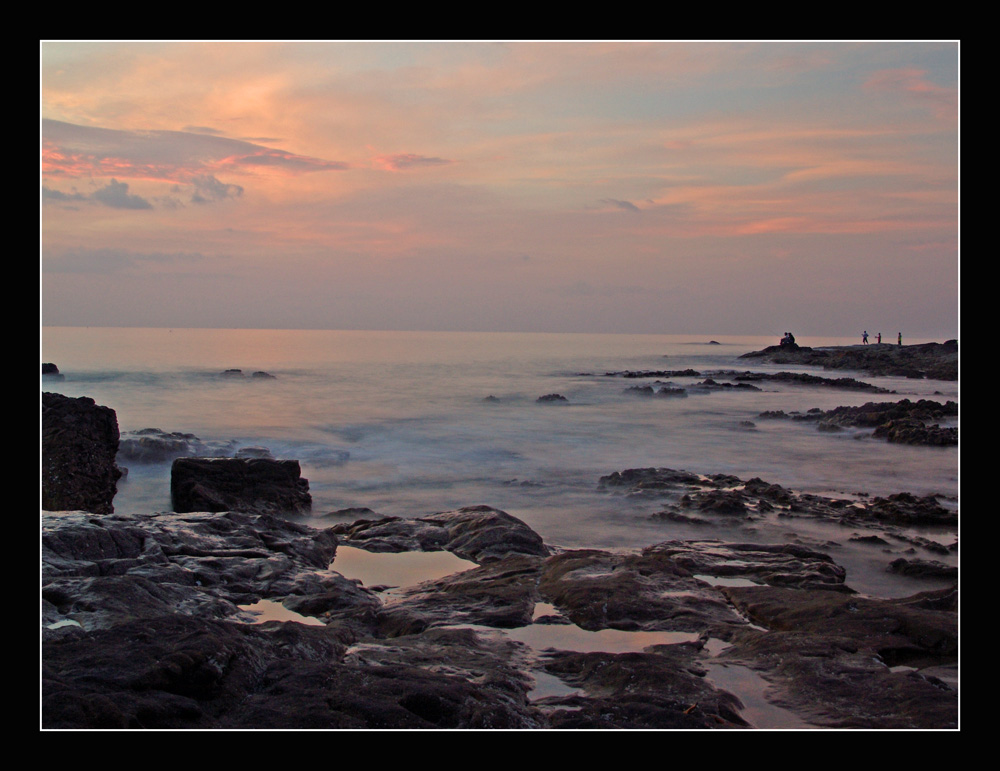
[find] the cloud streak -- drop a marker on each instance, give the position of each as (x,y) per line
(414,170)
(76,151)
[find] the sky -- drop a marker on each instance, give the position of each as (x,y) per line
(667,187)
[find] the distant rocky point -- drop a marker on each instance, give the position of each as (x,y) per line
(935,361)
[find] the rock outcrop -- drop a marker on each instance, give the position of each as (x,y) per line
(147,622)
(238,484)
(79,444)
(902,422)
(937,361)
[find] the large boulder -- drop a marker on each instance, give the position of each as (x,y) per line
(238,484)
(79,444)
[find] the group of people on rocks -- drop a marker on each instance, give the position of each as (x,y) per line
(789,339)
(878,338)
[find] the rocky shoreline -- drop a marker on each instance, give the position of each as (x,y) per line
(938,361)
(151,620)
(145,625)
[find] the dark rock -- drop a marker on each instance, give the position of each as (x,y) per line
(552,399)
(909,509)
(263,375)
(233,373)
(773,564)
(480,534)
(646,591)
(667,391)
(667,373)
(801,378)
(649,479)
(500,594)
(918,568)
(49,369)
(712,384)
(829,656)
(938,361)
(238,484)
(142,628)
(908,431)
(665,689)
(79,443)
(902,422)
(197,674)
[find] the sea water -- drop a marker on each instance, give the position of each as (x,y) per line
(400,423)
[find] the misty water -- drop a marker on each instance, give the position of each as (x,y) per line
(398,422)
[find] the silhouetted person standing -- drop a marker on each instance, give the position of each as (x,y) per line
(899,339)
(864,337)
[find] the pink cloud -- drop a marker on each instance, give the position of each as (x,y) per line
(166,156)
(405,161)
(943,100)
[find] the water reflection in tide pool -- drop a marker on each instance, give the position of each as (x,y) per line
(396,569)
(401,570)
(269,610)
(570,637)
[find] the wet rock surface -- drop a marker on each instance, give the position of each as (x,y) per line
(146,623)
(852,662)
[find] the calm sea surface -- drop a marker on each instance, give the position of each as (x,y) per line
(398,422)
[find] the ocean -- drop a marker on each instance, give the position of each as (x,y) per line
(401,423)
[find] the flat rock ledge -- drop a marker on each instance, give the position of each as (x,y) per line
(147,623)
(936,361)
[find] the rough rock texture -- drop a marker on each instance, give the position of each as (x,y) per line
(145,625)
(851,662)
(801,378)
(79,444)
(784,564)
(238,484)
(902,422)
(665,689)
(706,499)
(637,592)
(476,533)
(937,361)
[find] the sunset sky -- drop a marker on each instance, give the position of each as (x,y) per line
(663,187)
